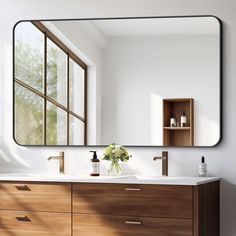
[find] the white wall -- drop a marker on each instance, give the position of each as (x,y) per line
(138,72)
(183,161)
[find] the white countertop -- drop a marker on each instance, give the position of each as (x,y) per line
(125,179)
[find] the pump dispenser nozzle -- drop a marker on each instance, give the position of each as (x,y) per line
(94,155)
(203,159)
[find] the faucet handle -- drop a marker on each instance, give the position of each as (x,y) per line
(164,158)
(61,161)
(165,163)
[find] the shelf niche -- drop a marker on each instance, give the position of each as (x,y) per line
(178,136)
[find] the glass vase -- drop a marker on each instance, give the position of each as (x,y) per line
(114,169)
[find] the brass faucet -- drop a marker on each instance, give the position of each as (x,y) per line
(164,159)
(61,159)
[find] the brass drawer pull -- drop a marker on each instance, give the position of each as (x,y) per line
(25,219)
(22,188)
(133,222)
(133,189)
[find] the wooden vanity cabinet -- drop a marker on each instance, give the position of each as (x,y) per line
(54,197)
(133,200)
(160,210)
(96,209)
(112,225)
(34,223)
(35,209)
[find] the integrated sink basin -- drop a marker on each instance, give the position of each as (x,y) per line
(125,179)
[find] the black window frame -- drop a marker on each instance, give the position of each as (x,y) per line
(70,56)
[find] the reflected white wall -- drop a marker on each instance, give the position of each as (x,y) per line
(140,71)
(156,119)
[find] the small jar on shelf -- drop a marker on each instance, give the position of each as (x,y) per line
(172,120)
(183,119)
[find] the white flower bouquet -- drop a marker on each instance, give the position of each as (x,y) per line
(115,153)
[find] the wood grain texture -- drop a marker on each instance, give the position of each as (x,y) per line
(152,200)
(178,137)
(191,116)
(36,196)
(40,224)
(103,225)
(108,209)
(207,209)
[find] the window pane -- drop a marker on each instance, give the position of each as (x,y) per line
(56,125)
(29,61)
(76,88)
(28,117)
(76,131)
(56,73)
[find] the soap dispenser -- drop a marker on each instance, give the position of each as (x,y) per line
(94,165)
(202,168)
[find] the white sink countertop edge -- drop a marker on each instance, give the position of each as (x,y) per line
(132,179)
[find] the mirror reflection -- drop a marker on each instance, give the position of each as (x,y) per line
(137,82)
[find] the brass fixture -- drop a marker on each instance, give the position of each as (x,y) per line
(61,159)
(128,222)
(133,189)
(164,159)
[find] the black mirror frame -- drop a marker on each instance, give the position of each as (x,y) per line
(142,17)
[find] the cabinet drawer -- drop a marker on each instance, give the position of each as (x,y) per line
(36,196)
(90,225)
(23,223)
(132,200)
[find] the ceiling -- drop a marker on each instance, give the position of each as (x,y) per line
(157,26)
(100,30)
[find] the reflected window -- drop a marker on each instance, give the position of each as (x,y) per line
(49,86)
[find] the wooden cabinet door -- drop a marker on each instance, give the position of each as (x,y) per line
(104,225)
(133,200)
(35,196)
(25,223)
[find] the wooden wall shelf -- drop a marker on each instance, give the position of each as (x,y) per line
(178,136)
(177,128)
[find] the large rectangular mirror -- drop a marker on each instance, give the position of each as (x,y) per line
(133,81)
